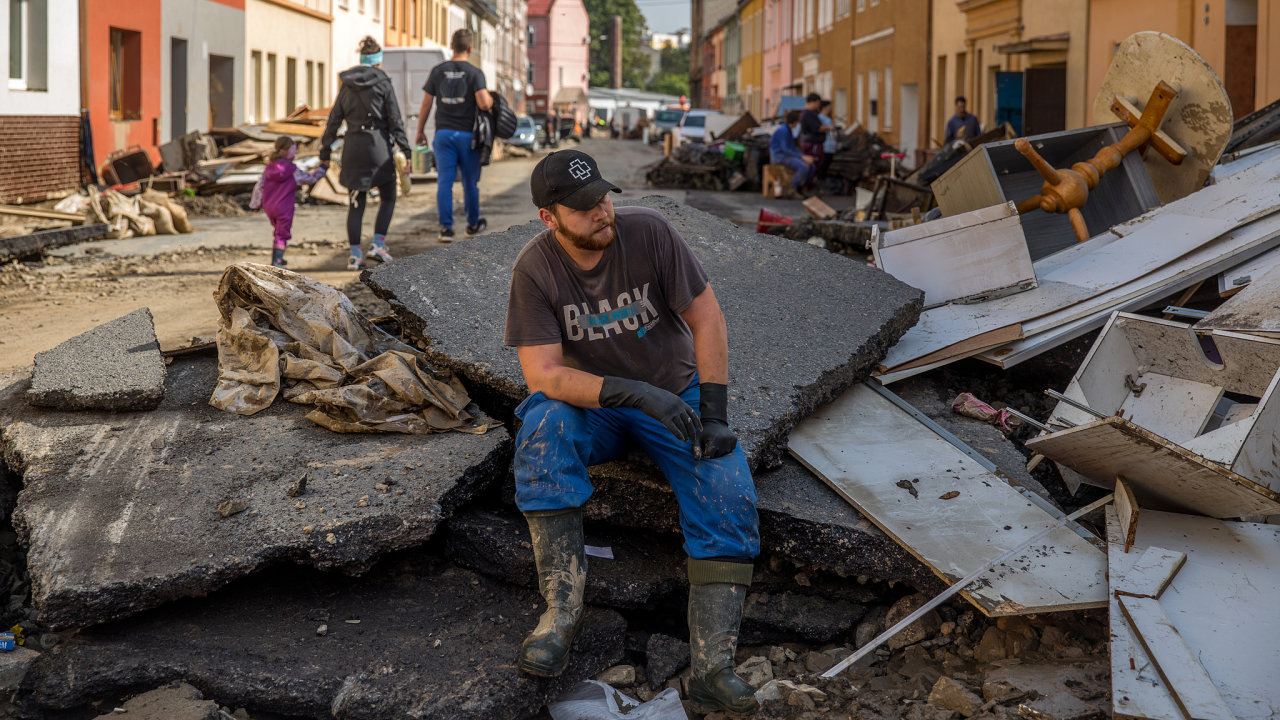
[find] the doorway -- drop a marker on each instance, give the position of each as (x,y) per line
(177,87)
(222,80)
(1009,100)
(909,120)
(1046,100)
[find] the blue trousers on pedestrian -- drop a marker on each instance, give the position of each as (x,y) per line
(558,442)
(454,153)
(804,171)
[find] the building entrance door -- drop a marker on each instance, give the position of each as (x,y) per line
(177,87)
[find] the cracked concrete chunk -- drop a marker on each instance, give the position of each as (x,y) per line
(121,513)
(804,324)
(178,701)
(433,641)
(115,366)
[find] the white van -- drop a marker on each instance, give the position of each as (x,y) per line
(408,68)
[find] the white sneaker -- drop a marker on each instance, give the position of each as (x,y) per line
(379,252)
(354,263)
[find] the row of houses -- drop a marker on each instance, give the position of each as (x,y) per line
(146,71)
(895,67)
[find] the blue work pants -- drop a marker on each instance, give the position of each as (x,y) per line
(558,442)
(453,153)
(804,171)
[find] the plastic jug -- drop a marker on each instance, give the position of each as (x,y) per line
(421,159)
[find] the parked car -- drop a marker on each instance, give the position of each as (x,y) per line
(664,121)
(693,127)
(526,134)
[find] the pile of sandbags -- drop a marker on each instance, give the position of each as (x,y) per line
(150,213)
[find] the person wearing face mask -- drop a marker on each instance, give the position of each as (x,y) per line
(620,337)
(277,189)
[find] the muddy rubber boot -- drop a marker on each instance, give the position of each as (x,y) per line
(717,592)
(562,577)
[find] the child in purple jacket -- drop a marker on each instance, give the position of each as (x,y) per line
(276,190)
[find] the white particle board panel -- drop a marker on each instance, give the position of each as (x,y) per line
(969,257)
(1183,675)
(1164,236)
(1173,408)
(1254,310)
(1221,445)
(1151,574)
(1222,602)
(1162,474)
(1238,277)
(895,470)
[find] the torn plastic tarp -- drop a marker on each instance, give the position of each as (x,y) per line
(279,329)
(594,700)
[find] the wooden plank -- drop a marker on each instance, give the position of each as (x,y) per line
(896,471)
(1127,511)
(1256,309)
(1107,268)
(293,128)
(969,257)
(1163,475)
(1151,574)
(1174,408)
(969,346)
(20,211)
(1222,602)
(818,209)
(1182,673)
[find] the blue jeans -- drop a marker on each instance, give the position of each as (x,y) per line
(453,151)
(558,441)
(804,171)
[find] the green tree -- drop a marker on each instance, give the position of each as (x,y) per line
(635,63)
(670,84)
(673,72)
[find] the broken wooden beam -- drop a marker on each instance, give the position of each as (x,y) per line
(293,128)
(40,213)
(21,246)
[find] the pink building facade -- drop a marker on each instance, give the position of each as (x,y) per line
(559,32)
(777,54)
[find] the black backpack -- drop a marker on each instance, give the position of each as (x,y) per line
(504,120)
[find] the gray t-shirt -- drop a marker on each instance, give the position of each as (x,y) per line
(621,317)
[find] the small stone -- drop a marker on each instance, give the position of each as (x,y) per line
(399,491)
(768,692)
(298,487)
(818,662)
(665,656)
(322,630)
(947,628)
(777,655)
(364,501)
(381,487)
(950,694)
(800,695)
(227,508)
(756,671)
(991,647)
(618,676)
(331,539)
(306,529)
(916,631)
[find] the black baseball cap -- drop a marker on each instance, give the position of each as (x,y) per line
(571,178)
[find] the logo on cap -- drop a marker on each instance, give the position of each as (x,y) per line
(579,169)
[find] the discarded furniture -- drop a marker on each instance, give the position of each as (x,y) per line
(944,503)
(127,166)
(996,173)
(970,257)
(1139,262)
(1256,128)
(1165,427)
(1255,309)
(1199,118)
(1066,190)
(1205,645)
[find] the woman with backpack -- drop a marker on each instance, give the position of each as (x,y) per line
(367,102)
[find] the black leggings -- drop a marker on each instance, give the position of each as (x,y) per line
(386,208)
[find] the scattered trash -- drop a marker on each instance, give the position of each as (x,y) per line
(969,406)
(592,700)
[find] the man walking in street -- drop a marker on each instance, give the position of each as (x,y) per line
(460,90)
(783,151)
(620,336)
(962,124)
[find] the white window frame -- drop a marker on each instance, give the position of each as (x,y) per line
(888,97)
(860,104)
(873,96)
(840,107)
(344,4)
(21,30)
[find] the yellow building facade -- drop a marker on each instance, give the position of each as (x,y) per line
(751,67)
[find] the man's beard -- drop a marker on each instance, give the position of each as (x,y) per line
(593,241)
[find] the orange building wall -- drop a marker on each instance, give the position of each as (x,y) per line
(142,16)
(1268,87)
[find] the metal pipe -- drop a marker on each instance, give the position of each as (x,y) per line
(1030,421)
(1074,403)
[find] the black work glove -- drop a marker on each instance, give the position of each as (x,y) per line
(716,439)
(667,408)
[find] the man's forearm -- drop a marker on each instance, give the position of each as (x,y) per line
(422,114)
(711,349)
(569,385)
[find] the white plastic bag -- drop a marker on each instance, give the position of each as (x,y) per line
(593,700)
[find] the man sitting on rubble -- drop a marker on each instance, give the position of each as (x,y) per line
(620,336)
(783,151)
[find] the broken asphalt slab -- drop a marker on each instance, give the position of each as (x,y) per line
(801,519)
(804,324)
(416,638)
(121,512)
(115,366)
